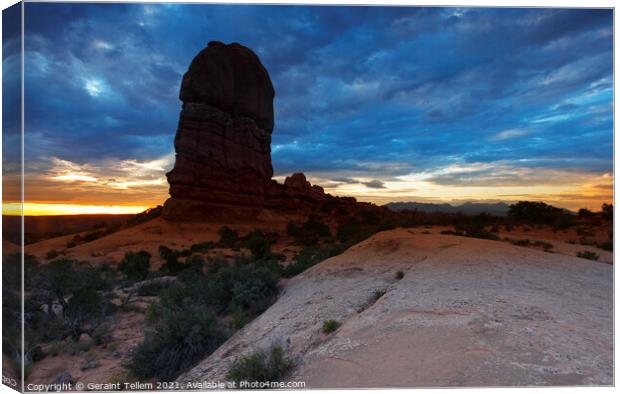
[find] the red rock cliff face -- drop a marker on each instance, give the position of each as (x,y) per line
(223,143)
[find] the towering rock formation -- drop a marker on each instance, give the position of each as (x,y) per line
(223,142)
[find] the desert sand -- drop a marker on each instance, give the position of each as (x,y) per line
(150,236)
(468,312)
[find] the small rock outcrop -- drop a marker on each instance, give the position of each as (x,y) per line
(223,164)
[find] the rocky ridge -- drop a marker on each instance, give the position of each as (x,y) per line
(467,312)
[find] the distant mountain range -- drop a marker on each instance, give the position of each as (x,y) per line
(468,208)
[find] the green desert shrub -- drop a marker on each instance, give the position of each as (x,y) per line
(539,213)
(226,286)
(271,262)
(171,265)
(228,237)
(112,346)
(121,377)
(202,247)
(181,337)
(369,217)
(452,232)
(353,232)
(86,304)
(258,242)
(475,230)
(185,318)
(586,254)
(545,245)
(102,334)
(378,294)
(253,290)
(330,326)
(240,318)
(82,291)
(135,266)
(55,348)
(308,233)
(261,366)
(520,242)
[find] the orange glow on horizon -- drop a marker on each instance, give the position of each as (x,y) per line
(43,209)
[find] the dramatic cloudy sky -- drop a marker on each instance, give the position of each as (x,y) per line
(383,103)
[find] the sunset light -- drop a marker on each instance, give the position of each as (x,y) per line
(39,209)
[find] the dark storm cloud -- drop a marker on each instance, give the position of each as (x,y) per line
(365,90)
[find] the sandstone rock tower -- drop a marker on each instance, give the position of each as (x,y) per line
(223,140)
(223,144)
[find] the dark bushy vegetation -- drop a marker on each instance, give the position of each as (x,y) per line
(586,254)
(153,288)
(257,241)
(145,216)
(80,290)
(608,211)
(88,237)
(330,326)
(526,242)
(228,237)
(540,213)
(308,233)
(185,317)
(354,232)
(135,266)
(475,229)
(261,366)
(310,256)
(607,245)
(185,332)
(202,247)
(171,265)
